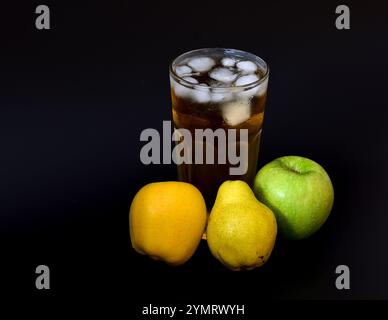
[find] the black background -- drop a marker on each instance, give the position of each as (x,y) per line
(74,99)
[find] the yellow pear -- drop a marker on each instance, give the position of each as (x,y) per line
(241,231)
(167,221)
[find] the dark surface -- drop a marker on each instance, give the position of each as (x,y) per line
(74,99)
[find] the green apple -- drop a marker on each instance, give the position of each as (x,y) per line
(300,193)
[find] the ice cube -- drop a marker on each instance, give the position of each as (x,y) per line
(228,62)
(183,70)
(201,94)
(246,66)
(201,64)
(190,79)
(181,91)
(244,80)
(221,96)
(235,113)
(223,75)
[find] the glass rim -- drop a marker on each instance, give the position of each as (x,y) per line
(244,87)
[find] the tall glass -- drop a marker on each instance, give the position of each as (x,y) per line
(218,89)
